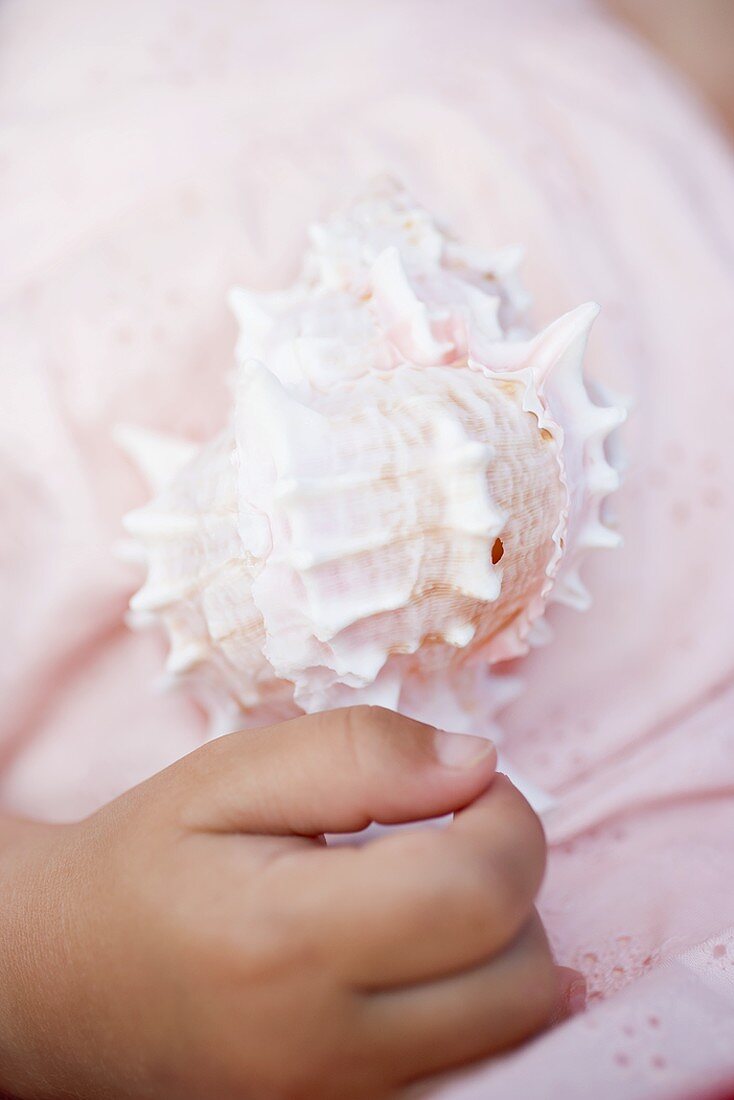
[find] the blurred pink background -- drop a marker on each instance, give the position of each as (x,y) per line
(152,154)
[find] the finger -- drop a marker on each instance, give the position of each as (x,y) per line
(331,772)
(436,1026)
(571,999)
(423,903)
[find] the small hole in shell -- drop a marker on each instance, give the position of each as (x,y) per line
(498,550)
(545,434)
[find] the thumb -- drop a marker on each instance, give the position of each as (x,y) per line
(333,772)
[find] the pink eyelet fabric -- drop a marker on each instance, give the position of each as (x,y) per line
(155,152)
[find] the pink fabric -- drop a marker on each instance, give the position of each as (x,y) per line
(154,152)
(666,1036)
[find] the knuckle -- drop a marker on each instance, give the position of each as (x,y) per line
(356,736)
(366,718)
(361,722)
(368,734)
(375,738)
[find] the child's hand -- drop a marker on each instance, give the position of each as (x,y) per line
(196,940)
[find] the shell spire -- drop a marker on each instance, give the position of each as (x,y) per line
(408,478)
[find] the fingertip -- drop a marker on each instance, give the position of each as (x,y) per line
(571,994)
(464,751)
(423,771)
(467,768)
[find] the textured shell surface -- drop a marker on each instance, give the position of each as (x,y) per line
(408,478)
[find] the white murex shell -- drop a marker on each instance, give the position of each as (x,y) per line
(407,479)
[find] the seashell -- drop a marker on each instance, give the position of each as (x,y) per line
(409,477)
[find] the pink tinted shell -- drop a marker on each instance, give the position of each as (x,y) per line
(407,479)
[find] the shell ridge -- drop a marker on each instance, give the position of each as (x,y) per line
(410,477)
